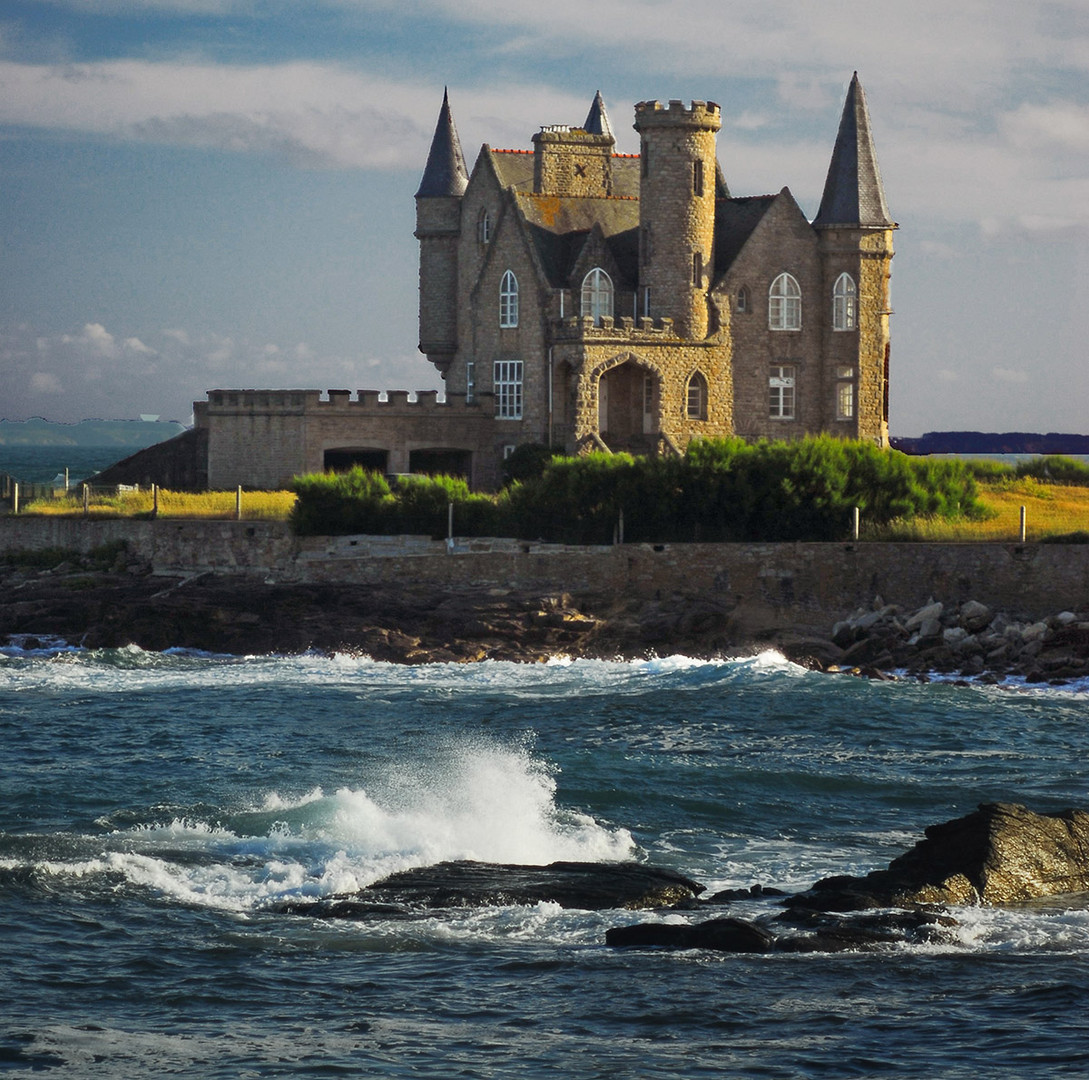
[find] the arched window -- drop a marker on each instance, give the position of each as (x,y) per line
(742,302)
(784,304)
(484,227)
(597,295)
(696,397)
(508,300)
(845,304)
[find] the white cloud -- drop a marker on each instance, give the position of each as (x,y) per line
(45,382)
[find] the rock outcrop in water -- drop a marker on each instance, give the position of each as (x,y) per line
(589,886)
(1000,854)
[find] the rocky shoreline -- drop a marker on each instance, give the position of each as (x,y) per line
(86,605)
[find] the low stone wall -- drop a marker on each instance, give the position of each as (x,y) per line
(800,585)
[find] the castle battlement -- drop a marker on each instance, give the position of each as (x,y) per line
(302,402)
(704,114)
(582,327)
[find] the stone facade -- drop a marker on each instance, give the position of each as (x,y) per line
(591,300)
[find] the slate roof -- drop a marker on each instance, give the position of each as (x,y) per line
(445,172)
(853,192)
(735,221)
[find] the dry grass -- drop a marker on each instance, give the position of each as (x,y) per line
(256,505)
(1050,510)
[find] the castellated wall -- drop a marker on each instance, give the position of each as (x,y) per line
(263,438)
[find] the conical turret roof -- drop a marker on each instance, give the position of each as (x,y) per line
(445,173)
(853,193)
(597,120)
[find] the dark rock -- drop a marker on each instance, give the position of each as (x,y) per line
(722,935)
(1000,854)
(589,886)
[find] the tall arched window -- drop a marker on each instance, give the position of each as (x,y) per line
(784,304)
(696,397)
(597,295)
(508,300)
(845,303)
(484,227)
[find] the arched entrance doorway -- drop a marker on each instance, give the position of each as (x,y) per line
(628,408)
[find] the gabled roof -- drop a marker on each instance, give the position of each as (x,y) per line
(560,227)
(853,192)
(735,222)
(445,173)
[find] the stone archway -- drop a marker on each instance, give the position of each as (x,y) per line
(628,404)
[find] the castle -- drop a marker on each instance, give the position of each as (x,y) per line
(591,300)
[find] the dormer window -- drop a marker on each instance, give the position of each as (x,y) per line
(597,295)
(508,301)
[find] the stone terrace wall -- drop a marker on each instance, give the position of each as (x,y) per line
(806,586)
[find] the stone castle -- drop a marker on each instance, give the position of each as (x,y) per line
(591,300)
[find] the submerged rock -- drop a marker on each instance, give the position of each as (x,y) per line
(590,886)
(722,935)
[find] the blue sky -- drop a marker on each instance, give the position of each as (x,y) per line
(218,193)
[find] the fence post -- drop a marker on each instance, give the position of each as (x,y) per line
(449,526)
(854,523)
(154,501)
(65,479)
(1023,529)
(86,500)
(15,498)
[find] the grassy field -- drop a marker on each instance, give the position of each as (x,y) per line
(1051,510)
(256,505)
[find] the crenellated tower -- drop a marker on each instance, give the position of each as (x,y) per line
(677,211)
(854,232)
(438,227)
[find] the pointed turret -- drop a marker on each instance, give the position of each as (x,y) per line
(438,228)
(853,193)
(445,173)
(597,119)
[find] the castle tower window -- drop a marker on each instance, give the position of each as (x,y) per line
(484,227)
(508,389)
(781,392)
(697,270)
(845,393)
(742,302)
(470,382)
(508,300)
(696,397)
(784,304)
(597,295)
(697,177)
(845,304)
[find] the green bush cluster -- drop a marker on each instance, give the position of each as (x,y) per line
(721,490)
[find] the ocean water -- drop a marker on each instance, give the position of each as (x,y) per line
(155,807)
(42,464)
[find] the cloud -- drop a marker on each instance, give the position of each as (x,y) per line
(1009,375)
(45,382)
(123,377)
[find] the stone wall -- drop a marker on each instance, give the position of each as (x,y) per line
(802,586)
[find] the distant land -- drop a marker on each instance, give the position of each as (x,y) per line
(124,434)
(987,442)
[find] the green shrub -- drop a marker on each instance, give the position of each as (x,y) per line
(1055,469)
(721,490)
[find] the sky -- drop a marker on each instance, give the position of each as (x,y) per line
(203,194)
